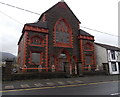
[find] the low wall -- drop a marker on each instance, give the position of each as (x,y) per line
(95,73)
(41,75)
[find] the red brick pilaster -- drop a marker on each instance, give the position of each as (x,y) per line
(81,53)
(46,53)
(25,50)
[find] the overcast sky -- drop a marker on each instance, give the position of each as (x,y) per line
(101,15)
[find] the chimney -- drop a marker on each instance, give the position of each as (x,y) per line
(62,1)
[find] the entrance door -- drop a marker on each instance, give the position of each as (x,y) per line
(62,59)
(119,66)
(114,68)
(61,63)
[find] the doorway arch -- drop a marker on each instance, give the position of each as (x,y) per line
(63,56)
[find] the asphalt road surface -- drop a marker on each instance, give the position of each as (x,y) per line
(99,88)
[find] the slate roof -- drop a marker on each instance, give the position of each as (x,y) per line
(39,24)
(55,6)
(82,32)
(44,24)
(108,47)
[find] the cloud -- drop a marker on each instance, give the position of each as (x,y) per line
(10,33)
(89,12)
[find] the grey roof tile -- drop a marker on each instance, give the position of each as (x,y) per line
(108,47)
(82,32)
(39,24)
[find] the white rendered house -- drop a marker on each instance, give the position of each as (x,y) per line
(106,54)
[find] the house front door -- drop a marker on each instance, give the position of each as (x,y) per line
(114,69)
(119,66)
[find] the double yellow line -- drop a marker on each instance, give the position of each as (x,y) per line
(58,86)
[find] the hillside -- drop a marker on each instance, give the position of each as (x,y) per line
(7,56)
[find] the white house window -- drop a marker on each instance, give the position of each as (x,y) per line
(114,67)
(113,55)
(118,56)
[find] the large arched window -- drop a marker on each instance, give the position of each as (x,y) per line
(63,32)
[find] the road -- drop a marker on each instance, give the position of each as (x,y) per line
(98,88)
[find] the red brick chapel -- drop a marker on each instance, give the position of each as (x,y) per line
(56,41)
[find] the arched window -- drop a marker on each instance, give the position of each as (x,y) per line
(62,31)
(36,40)
(88,46)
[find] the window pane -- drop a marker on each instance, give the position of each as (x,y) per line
(62,34)
(67,37)
(36,41)
(57,36)
(66,30)
(35,57)
(62,56)
(88,60)
(114,67)
(113,55)
(61,37)
(88,46)
(64,37)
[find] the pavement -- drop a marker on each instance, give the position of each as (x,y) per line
(37,83)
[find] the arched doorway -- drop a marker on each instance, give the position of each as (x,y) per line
(62,58)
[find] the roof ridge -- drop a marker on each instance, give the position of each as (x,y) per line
(107,46)
(84,33)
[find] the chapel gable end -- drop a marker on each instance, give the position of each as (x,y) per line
(59,10)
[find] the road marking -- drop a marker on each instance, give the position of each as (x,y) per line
(54,87)
(38,85)
(41,88)
(101,82)
(9,87)
(26,89)
(70,82)
(93,83)
(25,86)
(72,85)
(61,83)
(78,81)
(115,94)
(50,84)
